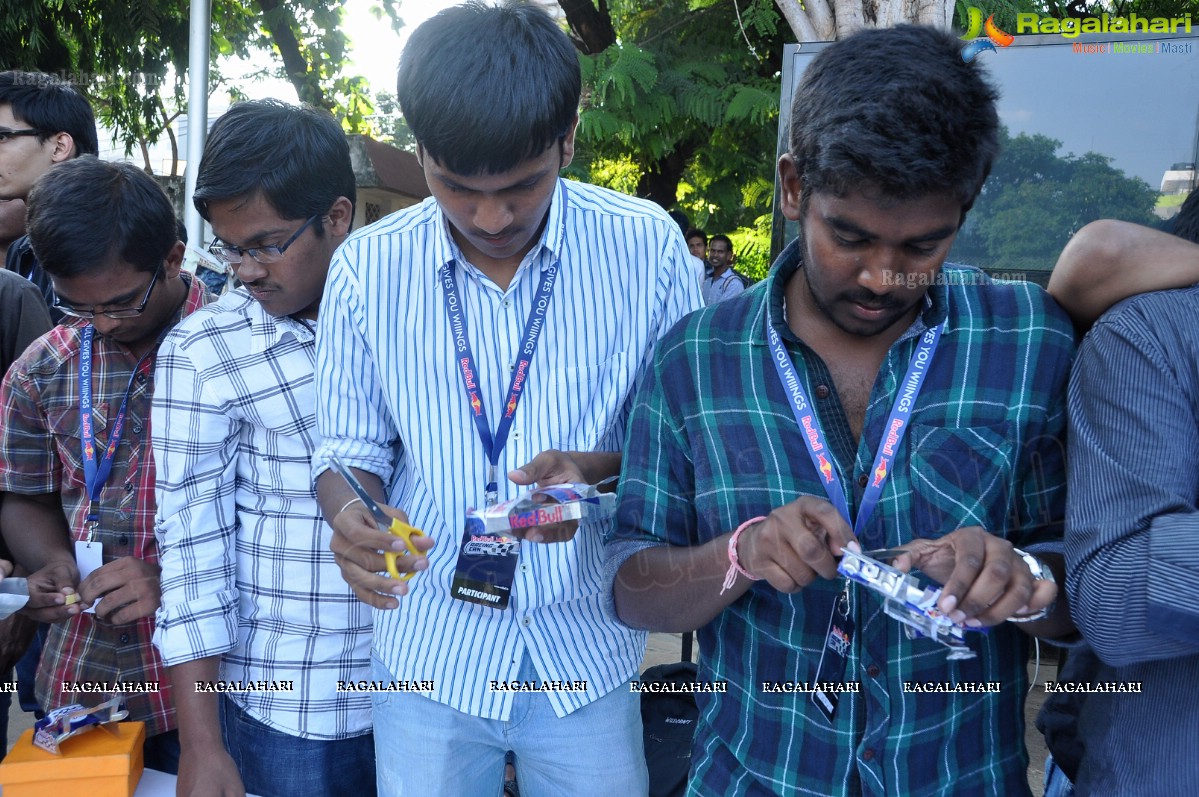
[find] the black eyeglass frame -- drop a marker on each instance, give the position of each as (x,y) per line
(123,312)
(5,135)
(234,255)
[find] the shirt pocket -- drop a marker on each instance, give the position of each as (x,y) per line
(586,401)
(68,440)
(961,477)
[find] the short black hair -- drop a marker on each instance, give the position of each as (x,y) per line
(86,212)
(896,110)
(1186,223)
(51,105)
(721,237)
(696,232)
(484,88)
(680,218)
(296,156)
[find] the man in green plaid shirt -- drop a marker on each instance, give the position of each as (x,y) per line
(863,395)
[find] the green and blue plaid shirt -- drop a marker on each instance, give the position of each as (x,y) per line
(712,442)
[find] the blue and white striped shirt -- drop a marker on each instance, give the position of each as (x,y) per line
(1132,524)
(390,401)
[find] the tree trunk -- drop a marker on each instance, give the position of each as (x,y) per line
(590,27)
(278,23)
(660,181)
(824,20)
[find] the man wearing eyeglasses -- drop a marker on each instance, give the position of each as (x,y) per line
(75,462)
(43,122)
(250,590)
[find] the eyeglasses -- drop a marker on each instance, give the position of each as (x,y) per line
(5,135)
(263,254)
(124,312)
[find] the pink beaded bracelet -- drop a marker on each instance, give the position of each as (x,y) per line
(734,563)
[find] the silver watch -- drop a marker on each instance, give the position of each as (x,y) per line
(1040,572)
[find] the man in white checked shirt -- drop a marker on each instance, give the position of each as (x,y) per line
(491,95)
(252,602)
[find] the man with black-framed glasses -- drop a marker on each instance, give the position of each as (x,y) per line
(250,589)
(75,463)
(43,122)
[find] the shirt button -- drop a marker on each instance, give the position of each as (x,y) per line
(124,639)
(822,391)
(507,303)
(141,379)
(137,428)
(525,622)
(524,568)
(863,480)
(123,540)
(872,670)
(129,487)
(868,755)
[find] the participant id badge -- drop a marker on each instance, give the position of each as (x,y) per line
(834,657)
(89,556)
(486,566)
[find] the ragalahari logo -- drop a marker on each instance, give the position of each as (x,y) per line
(994,36)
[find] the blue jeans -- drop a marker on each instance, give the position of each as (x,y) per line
(427,749)
(161,752)
(277,764)
(1056,782)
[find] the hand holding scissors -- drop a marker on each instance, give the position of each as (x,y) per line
(386,522)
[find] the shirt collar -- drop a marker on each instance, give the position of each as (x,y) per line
(936,300)
(266,330)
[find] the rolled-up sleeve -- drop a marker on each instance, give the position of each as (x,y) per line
(195,441)
(657,485)
(352,416)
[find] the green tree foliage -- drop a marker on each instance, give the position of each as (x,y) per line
(130,56)
(1035,200)
(681,105)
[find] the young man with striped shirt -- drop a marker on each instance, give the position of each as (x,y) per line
(498,328)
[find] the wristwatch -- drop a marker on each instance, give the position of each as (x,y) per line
(1040,572)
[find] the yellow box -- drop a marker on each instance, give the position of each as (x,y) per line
(104,762)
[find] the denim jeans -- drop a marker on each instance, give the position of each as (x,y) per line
(427,749)
(1056,782)
(277,764)
(161,752)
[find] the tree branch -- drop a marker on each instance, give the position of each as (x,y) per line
(798,19)
(278,24)
(591,26)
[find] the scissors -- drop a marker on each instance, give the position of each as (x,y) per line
(386,522)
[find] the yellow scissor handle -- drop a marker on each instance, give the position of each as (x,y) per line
(405,533)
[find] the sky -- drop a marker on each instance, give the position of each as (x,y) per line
(374,46)
(374,53)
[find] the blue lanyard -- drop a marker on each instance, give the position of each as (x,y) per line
(893,433)
(96,474)
(469,370)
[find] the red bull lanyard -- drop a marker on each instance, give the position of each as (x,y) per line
(95,474)
(893,432)
(467,368)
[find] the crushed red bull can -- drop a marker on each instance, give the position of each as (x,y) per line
(63,723)
(544,506)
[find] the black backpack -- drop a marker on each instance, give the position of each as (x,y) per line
(669,719)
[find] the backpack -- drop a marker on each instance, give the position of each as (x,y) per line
(669,720)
